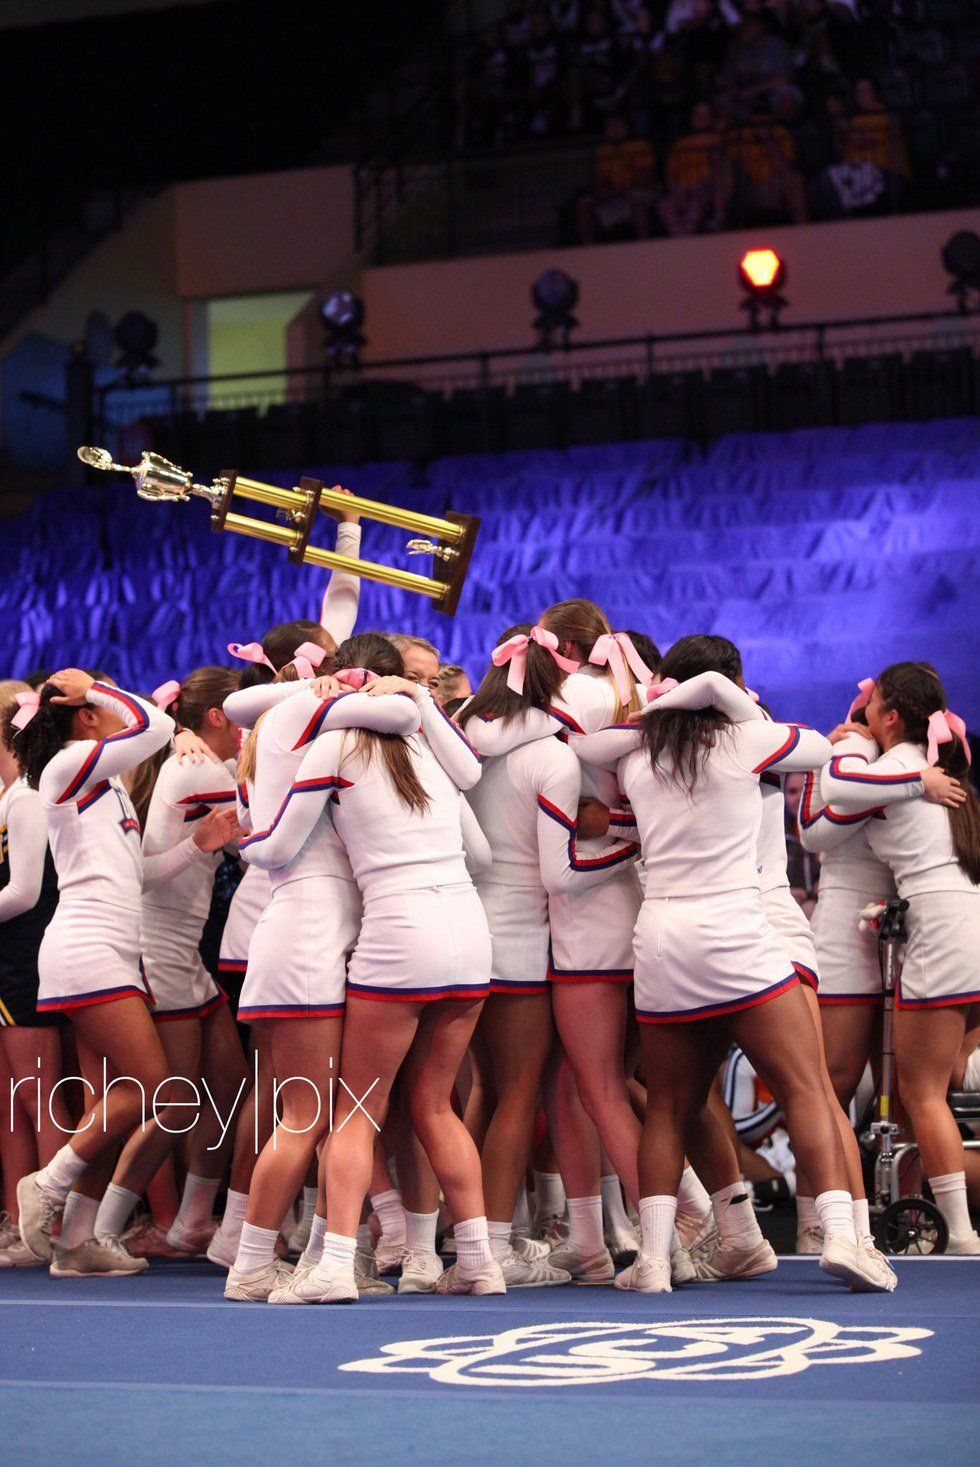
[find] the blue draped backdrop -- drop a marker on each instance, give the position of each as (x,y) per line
(825,554)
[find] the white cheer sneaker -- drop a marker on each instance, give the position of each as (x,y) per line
(646,1276)
(95,1256)
(855,1266)
(254,1285)
(531,1273)
(39,1212)
(421,1272)
(486,1279)
(732,1262)
(591,1268)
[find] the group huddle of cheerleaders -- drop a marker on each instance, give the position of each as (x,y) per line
(518,934)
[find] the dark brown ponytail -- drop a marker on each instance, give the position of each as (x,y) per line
(377,654)
(677,740)
(542,683)
(914,691)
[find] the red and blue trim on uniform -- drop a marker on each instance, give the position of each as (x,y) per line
(809,816)
(315,724)
(944,1001)
(302,787)
(717,1010)
(518,988)
(586,975)
(457,730)
(291,1011)
(583,863)
(196,1011)
(786,748)
(84,1000)
(807,976)
(458,991)
(565,719)
(848,1000)
(873,779)
(141,724)
(95,793)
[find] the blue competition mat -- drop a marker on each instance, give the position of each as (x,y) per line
(162,1369)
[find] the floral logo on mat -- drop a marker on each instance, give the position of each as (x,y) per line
(590,1353)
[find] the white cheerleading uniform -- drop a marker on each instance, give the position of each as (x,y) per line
(178,879)
(851,877)
(298,952)
(704,947)
(527,806)
(782,910)
(91,949)
(424,934)
(338,615)
(914,839)
(591,930)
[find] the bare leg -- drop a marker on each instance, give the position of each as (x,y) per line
(591,1020)
(34,1058)
(518,1032)
(444,1031)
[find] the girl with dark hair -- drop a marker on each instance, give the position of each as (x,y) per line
(929,835)
(709,968)
(527,805)
(74,745)
(189,817)
(591,954)
(417,977)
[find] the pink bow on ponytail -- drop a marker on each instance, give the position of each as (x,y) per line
(514,651)
(307,658)
(943,727)
(28,703)
(657,690)
(865,688)
(615,650)
(250,652)
(354,677)
(166,694)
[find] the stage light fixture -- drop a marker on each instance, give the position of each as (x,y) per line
(555,296)
(961,258)
(136,335)
(761,274)
(342,313)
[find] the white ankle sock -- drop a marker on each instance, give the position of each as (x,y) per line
(78,1220)
(234,1215)
(472,1243)
(549,1195)
(256,1247)
(197,1200)
(310,1195)
(613,1210)
(61,1173)
(692,1195)
(338,1253)
(735,1216)
(314,1248)
(657,1216)
(499,1233)
(806,1214)
(862,1217)
(420,1230)
(522,1210)
(114,1211)
(585,1225)
(949,1191)
(390,1214)
(836,1213)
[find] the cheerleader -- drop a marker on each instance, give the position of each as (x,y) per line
(30,1042)
(932,846)
(297,962)
(188,817)
(527,805)
(417,978)
(75,741)
(591,956)
(709,968)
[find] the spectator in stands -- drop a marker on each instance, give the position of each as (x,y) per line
(758,71)
(547,103)
(598,73)
(767,184)
(848,189)
(488,111)
(699,178)
(454,685)
(872,134)
(618,206)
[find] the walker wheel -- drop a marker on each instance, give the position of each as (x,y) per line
(912,1226)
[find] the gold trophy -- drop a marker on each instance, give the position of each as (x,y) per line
(449,541)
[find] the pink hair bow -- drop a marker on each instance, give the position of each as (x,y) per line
(307,658)
(865,688)
(166,694)
(354,677)
(28,703)
(943,727)
(657,690)
(615,650)
(514,651)
(250,652)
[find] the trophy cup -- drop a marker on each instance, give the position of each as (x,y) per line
(449,541)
